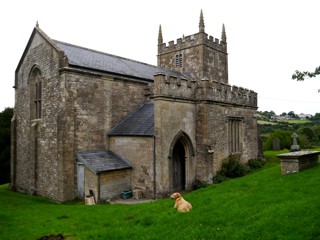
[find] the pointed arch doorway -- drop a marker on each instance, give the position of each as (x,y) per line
(178,167)
(182,167)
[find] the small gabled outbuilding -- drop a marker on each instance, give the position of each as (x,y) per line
(103,173)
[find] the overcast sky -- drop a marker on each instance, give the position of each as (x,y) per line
(267,39)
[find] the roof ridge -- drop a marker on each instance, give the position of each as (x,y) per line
(104,53)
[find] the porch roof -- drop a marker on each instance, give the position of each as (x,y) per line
(103,161)
(138,123)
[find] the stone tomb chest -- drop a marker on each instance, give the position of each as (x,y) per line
(105,175)
(296,161)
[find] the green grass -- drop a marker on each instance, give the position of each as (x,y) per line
(298,121)
(261,122)
(261,205)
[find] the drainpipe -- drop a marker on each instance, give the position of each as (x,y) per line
(154,167)
(98,198)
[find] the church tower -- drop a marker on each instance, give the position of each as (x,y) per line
(198,56)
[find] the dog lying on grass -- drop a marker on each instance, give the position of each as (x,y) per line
(180,203)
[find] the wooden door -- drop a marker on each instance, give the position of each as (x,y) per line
(178,167)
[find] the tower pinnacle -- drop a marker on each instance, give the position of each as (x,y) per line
(160,39)
(223,34)
(37,24)
(201,23)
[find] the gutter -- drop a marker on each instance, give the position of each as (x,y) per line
(154,167)
(98,198)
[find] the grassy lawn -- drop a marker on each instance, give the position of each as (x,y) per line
(261,205)
(298,121)
(267,122)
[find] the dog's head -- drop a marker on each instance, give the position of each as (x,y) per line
(175,195)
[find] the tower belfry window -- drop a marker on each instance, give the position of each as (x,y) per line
(179,60)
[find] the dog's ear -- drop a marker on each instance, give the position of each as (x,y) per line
(178,195)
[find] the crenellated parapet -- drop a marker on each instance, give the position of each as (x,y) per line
(178,87)
(191,41)
(224,93)
(173,86)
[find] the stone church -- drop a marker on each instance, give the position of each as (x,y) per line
(88,122)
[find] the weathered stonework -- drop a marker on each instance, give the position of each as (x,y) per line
(198,118)
(111,184)
(203,57)
(297,161)
(139,150)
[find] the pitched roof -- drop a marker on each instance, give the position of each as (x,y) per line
(92,59)
(103,161)
(138,123)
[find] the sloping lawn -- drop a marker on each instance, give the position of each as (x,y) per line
(261,205)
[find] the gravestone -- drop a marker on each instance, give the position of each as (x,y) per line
(276,144)
(294,146)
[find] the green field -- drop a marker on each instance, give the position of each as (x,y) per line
(297,121)
(261,205)
(261,122)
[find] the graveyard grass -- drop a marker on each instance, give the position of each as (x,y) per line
(261,205)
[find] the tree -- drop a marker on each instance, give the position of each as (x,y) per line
(266,116)
(309,133)
(5,135)
(301,76)
(284,137)
(292,114)
(316,117)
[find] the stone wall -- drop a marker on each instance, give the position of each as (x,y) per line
(213,141)
(36,153)
(139,152)
(125,97)
(113,183)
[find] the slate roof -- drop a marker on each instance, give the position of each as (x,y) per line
(138,123)
(103,161)
(95,60)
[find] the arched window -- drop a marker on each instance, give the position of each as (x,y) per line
(35,94)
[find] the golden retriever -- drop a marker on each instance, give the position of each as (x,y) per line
(180,203)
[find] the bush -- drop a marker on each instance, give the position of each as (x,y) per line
(219,179)
(231,168)
(197,184)
(256,163)
(284,137)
